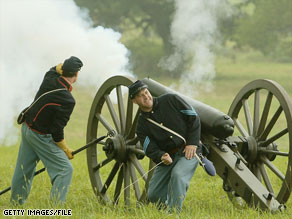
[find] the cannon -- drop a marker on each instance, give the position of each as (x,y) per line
(250,146)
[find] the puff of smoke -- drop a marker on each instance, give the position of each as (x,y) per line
(194,33)
(36,35)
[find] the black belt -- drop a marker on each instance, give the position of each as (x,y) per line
(175,150)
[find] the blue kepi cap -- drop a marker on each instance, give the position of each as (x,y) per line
(135,88)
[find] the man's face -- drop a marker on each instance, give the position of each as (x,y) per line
(144,100)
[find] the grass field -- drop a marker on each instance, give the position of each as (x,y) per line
(205,198)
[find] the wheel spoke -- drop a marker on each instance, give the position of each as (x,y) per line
(256,117)
(134,181)
(104,122)
(132,141)
(101,164)
(129,116)
(264,150)
(150,173)
(126,184)
(274,138)
(266,178)
(241,129)
(119,185)
(257,172)
(110,178)
(135,150)
(138,166)
(247,116)
(121,108)
(133,127)
(271,124)
(112,112)
(272,167)
(265,113)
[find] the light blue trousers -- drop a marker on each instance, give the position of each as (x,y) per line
(169,184)
(35,147)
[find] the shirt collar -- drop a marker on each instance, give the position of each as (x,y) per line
(155,103)
(65,83)
(154,108)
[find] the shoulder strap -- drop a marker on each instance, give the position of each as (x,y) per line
(167,129)
(51,91)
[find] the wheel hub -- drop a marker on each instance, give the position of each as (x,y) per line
(115,148)
(252,149)
(272,147)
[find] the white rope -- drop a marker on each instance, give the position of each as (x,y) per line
(175,133)
(199,159)
(136,181)
(51,91)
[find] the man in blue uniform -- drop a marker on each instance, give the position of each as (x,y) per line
(171,179)
(42,134)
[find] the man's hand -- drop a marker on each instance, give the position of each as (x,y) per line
(68,152)
(190,151)
(166,159)
(63,145)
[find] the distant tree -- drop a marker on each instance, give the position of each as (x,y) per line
(267,28)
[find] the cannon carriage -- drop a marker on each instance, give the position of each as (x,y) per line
(250,146)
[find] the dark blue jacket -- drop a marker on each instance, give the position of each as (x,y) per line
(174,113)
(51,112)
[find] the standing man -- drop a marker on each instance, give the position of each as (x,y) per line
(42,134)
(171,179)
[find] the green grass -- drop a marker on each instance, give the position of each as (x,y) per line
(205,198)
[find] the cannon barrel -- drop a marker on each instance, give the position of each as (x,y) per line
(213,121)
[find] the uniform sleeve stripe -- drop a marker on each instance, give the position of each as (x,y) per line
(190,112)
(146,143)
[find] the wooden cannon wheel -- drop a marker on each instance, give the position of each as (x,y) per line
(262,114)
(115,165)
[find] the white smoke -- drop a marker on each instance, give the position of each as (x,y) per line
(195,34)
(38,34)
